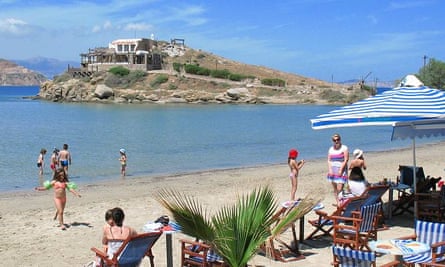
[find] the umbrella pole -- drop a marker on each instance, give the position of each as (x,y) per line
(414,177)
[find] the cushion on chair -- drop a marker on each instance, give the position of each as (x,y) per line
(353,258)
(428,233)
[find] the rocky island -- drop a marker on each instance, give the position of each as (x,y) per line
(170,72)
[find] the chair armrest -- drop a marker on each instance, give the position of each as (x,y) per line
(437,244)
(201,245)
(321,213)
(102,255)
(340,218)
(99,253)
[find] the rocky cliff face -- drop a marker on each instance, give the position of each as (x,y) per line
(13,74)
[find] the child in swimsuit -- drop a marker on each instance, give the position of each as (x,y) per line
(123,160)
(40,161)
(60,183)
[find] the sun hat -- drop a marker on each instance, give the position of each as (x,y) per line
(122,150)
(293,153)
(357,153)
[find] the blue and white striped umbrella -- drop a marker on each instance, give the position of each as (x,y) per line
(395,105)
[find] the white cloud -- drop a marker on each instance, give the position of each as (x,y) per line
(138,27)
(14,26)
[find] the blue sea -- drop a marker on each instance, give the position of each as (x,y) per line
(160,139)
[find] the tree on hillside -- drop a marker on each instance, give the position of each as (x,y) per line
(433,74)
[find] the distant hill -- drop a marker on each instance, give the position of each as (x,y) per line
(49,67)
(13,74)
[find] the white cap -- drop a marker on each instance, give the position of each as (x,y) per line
(122,150)
(357,153)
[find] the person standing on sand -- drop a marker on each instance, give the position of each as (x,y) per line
(65,158)
(54,165)
(60,183)
(294,170)
(41,161)
(338,157)
(123,160)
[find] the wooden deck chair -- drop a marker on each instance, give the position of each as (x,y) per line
(430,206)
(374,194)
(131,252)
(357,230)
(198,254)
(285,250)
(325,225)
(405,188)
(434,265)
(346,257)
(433,234)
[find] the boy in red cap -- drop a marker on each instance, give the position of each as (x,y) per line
(294,169)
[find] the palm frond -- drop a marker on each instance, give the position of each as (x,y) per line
(242,228)
(188,213)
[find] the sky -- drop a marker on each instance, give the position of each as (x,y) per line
(330,40)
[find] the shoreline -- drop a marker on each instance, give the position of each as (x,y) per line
(148,176)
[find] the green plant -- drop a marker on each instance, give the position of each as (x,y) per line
(223,74)
(237,231)
(273,82)
(236,77)
(114,81)
(190,68)
(137,75)
(160,79)
(119,71)
(177,66)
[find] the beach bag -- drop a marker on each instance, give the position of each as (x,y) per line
(163,219)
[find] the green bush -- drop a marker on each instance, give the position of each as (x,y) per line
(236,77)
(177,66)
(137,75)
(192,69)
(203,71)
(114,81)
(119,71)
(273,82)
(223,74)
(172,86)
(160,79)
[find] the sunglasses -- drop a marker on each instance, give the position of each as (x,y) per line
(336,140)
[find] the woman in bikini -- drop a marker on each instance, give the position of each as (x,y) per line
(294,169)
(60,184)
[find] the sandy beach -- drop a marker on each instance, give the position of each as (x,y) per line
(30,238)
